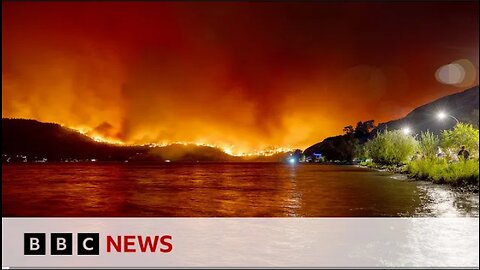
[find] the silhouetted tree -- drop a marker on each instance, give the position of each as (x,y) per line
(348,129)
(363,129)
(344,147)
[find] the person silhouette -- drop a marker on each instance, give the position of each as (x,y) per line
(463,153)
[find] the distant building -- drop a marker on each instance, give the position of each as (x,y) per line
(317,157)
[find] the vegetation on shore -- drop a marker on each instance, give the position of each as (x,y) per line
(428,156)
(442,171)
(391,147)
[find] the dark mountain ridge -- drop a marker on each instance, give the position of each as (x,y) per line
(54,142)
(31,140)
(463,105)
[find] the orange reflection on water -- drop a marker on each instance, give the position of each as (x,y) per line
(219,190)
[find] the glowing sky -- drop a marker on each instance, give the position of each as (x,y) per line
(244,75)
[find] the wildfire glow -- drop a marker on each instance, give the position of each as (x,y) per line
(98,137)
(230,150)
(140,72)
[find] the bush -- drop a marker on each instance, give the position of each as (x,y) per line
(441,171)
(462,135)
(368,163)
(428,144)
(391,147)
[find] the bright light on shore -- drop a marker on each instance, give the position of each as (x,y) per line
(441,115)
(292,160)
(406,130)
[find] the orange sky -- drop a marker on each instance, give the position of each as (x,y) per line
(242,75)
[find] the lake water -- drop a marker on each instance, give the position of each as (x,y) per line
(222,190)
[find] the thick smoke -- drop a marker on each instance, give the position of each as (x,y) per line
(243,76)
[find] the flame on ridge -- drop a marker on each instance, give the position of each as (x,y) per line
(230,150)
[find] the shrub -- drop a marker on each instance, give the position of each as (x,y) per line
(441,171)
(462,135)
(428,144)
(368,163)
(391,147)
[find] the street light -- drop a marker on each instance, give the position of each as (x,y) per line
(406,130)
(443,115)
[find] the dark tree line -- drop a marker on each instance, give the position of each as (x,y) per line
(344,147)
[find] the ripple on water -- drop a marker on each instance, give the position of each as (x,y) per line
(223,190)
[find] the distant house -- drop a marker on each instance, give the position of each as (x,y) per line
(317,157)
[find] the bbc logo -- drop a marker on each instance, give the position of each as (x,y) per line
(61,244)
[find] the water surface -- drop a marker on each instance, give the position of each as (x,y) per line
(222,190)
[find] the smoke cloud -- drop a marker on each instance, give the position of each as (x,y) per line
(244,76)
